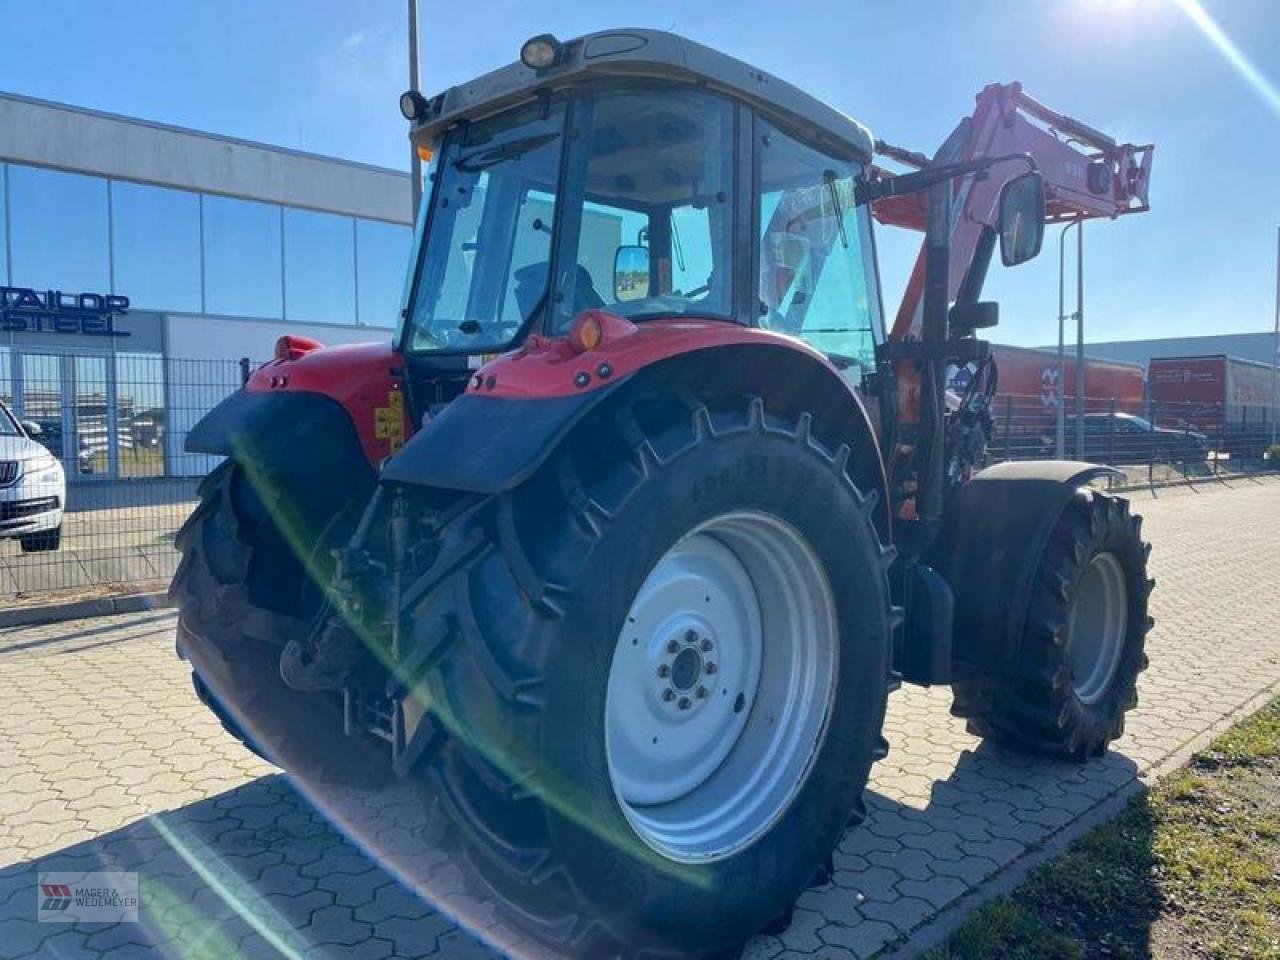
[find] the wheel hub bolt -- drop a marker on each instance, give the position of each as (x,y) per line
(710,667)
(668,694)
(684,703)
(672,646)
(690,636)
(701,693)
(706,645)
(664,671)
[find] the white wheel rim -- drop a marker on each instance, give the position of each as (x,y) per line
(1098,624)
(720,687)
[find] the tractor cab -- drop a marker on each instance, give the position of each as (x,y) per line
(590,184)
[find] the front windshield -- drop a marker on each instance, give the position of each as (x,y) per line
(642,220)
(8,425)
(485,262)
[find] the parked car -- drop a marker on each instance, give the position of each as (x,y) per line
(1125,438)
(33,488)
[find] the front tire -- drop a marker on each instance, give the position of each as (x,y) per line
(588,619)
(1083,647)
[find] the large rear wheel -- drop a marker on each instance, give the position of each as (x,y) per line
(242,591)
(667,688)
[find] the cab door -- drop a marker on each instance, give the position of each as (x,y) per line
(817,278)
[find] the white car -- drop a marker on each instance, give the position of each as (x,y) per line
(33,488)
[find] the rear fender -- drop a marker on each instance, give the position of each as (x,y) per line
(299,450)
(989,550)
(519,408)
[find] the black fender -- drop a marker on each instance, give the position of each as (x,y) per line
(299,449)
(482,444)
(487,444)
(989,548)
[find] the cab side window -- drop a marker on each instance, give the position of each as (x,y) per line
(817,276)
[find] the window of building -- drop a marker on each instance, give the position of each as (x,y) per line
(4,229)
(156,246)
(242,258)
(141,420)
(319,267)
(6,377)
(816,273)
(58,230)
(382,257)
(42,393)
(90,417)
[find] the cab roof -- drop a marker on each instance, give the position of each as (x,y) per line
(653,54)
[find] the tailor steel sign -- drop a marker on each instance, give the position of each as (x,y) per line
(23,310)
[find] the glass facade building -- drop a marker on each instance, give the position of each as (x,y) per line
(219,245)
(183,251)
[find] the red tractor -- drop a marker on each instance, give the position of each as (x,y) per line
(625,542)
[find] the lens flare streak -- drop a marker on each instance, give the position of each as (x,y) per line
(1234,55)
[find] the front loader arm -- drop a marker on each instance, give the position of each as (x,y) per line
(1087,175)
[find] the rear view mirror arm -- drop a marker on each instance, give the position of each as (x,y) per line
(869,191)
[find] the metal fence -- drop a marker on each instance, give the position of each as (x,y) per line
(119,430)
(1191,438)
(118,425)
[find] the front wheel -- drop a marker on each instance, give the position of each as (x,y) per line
(1076,671)
(669,685)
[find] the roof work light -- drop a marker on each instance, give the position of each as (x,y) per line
(541,52)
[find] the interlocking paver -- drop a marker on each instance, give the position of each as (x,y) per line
(234,860)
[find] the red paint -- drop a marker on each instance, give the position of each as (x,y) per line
(1209,393)
(546,367)
(357,376)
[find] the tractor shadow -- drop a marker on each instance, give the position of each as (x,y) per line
(930,844)
(278,867)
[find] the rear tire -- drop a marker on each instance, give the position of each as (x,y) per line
(522,681)
(232,556)
(1077,666)
(43,541)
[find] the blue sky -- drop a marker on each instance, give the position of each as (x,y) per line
(324,76)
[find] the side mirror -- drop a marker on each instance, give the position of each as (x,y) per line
(1022,212)
(631,273)
(964,318)
(32,428)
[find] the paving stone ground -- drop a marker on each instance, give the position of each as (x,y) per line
(107,761)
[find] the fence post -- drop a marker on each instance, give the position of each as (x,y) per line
(1221,445)
(244,371)
(1111,432)
(1008,427)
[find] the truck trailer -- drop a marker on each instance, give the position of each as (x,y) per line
(1229,399)
(1028,390)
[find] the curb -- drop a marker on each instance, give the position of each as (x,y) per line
(1193,481)
(81,609)
(934,931)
